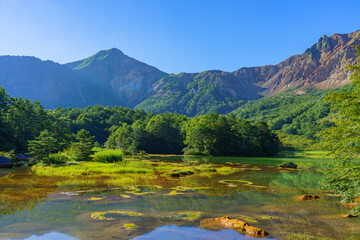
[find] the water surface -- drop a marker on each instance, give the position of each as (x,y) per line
(262,194)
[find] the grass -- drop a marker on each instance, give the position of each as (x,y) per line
(109,155)
(306,236)
(90,168)
(130,226)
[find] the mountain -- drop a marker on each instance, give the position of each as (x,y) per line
(29,77)
(321,66)
(111,78)
(199,93)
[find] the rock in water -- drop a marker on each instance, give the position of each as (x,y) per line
(307,197)
(288,165)
(236,224)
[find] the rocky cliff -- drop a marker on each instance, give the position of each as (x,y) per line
(321,66)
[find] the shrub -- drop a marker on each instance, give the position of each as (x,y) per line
(109,155)
(57,158)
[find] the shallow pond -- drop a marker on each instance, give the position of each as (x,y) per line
(260,193)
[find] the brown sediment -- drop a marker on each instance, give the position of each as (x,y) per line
(236,224)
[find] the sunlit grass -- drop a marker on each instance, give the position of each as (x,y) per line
(306,236)
(109,155)
(90,168)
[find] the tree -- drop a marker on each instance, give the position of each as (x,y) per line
(42,146)
(165,134)
(83,149)
(343,140)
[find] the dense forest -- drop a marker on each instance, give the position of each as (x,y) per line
(296,115)
(27,127)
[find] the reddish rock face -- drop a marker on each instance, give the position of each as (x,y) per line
(321,66)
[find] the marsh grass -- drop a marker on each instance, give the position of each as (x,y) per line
(109,155)
(90,168)
(306,236)
(130,226)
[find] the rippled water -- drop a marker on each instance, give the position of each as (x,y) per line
(33,207)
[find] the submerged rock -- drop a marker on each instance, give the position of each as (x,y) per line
(236,224)
(288,165)
(307,197)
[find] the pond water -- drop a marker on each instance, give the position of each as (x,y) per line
(260,193)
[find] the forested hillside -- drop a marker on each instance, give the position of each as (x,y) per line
(301,112)
(199,93)
(26,125)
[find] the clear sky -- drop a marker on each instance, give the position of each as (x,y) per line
(173,35)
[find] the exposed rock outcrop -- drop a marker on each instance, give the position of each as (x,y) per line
(236,224)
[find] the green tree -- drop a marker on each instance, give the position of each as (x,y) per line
(343,140)
(83,148)
(42,146)
(123,138)
(165,135)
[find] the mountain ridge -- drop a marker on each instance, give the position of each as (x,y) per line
(109,77)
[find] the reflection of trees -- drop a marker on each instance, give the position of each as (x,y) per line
(18,194)
(198,159)
(302,180)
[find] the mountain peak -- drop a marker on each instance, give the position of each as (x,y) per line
(111,51)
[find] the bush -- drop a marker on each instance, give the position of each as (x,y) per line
(109,155)
(57,158)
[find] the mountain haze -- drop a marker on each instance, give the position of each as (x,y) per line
(112,78)
(29,77)
(109,77)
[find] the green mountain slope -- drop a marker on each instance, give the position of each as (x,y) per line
(199,93)
(297,112)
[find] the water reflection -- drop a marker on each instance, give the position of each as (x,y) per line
(191,233)
(51,236)
(261,193)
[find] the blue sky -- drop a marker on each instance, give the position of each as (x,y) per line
(173,35)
